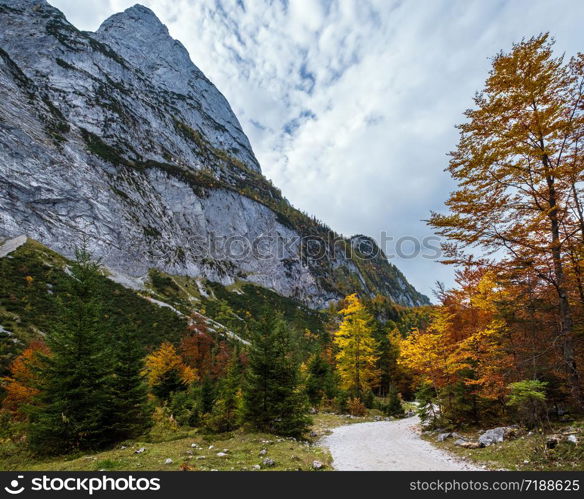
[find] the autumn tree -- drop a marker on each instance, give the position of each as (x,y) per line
(201,351)
(481,353)
(426,353)
(356,348)
(465,354)
(21,385)
(519,166)
(166,372)
(196,349)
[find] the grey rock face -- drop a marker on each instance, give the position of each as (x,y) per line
(116,138)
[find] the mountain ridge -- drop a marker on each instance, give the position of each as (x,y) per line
(116,138)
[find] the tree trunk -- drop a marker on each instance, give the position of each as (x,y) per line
(566,323)
(358,369)
(577,276)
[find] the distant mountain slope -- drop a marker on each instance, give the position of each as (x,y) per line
(159,306)
(116,138)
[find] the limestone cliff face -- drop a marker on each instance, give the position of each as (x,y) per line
(116,138)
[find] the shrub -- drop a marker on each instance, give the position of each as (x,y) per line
(528,397)
(368,399)
(356,407)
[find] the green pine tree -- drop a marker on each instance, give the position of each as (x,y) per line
(226,412)
(130,412)
(73,406)
(394,406)
(185,406)
(273,401)
(169,384)
(208,395)
(320,381)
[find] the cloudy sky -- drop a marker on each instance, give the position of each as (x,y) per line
(350,105)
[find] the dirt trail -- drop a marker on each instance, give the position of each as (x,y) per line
(388,446)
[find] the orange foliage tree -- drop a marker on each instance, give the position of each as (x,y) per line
(466,343)
(20,386)
(201,352)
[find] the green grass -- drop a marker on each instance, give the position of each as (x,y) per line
(242,449)
(523,453)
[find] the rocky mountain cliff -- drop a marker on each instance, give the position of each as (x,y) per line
(116,139)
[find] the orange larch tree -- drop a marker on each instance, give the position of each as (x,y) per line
(21,385)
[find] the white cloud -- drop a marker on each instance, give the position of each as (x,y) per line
(350,105)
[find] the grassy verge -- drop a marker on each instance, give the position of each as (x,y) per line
(525,452)
(192,450)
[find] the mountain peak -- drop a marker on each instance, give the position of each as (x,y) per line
(140,10)
(139,36)
(137,17)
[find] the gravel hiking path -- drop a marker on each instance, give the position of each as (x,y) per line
(388,446)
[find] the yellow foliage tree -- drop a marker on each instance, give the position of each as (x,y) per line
(426,355)
(356,348)
(165,370)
